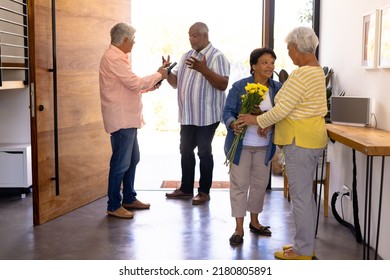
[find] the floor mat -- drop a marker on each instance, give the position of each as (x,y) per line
(176,184)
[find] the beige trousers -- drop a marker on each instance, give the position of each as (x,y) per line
(248,182)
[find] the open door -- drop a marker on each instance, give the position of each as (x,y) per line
(70,149)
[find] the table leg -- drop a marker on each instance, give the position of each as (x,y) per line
(379,208)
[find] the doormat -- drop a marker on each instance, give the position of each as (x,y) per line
(176,184)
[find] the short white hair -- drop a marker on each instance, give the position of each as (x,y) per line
(304,38)
(120,31)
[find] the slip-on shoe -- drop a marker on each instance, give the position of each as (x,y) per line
(136,205)
(200,198)
(291,255)
(263,230)
(287,247)
(179,194)
(236,239)
(121,213)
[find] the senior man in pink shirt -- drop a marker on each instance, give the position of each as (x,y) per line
(120,94)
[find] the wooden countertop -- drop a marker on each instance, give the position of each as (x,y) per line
(369,141)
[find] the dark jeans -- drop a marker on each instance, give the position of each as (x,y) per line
(124,160)
(192,136)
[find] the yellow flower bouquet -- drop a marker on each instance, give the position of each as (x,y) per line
(250,102)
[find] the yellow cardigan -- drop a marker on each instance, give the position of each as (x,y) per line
(300,107)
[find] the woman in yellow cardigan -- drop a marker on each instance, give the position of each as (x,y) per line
(298,115)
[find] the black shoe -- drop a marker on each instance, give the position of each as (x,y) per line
(236,239)
(263,230)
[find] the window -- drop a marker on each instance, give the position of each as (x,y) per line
(289,14)
(162,29)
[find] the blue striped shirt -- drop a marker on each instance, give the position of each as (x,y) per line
(199,102)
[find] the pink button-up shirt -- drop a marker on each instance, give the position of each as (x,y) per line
(121,90)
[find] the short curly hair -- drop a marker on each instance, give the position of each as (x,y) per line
(303,38)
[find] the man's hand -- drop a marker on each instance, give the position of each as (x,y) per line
(166,61)
(196,64)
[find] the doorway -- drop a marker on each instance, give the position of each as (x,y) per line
(234,32)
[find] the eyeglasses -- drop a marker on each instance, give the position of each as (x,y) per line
(131,40)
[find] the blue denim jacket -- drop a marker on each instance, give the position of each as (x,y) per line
(232,109)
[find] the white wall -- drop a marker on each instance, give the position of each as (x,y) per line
(341,49)
(14,104)
(15,116)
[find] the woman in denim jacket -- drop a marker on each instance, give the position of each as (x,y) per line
(249,172)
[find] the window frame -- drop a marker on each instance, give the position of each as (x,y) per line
(269,22)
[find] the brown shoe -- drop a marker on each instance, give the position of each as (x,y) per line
(136,205)
(121,213)
(179,194)
(200,198)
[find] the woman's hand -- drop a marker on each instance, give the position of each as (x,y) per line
(246,119)
(237,130)
(256,111)
(262,132)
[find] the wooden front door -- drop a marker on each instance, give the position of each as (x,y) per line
(70,148)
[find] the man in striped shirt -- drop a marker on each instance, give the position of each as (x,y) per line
(201,78)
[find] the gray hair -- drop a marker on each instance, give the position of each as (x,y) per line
(304,38)
(120,31)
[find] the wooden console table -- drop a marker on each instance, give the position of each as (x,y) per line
(371,142)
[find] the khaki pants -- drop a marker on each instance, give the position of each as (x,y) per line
(249,181)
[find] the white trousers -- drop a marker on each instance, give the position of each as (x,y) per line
(248,182)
